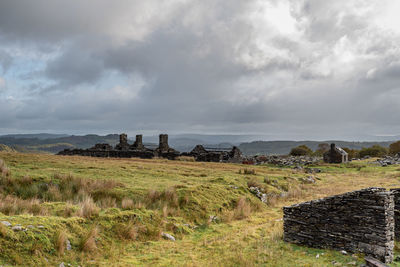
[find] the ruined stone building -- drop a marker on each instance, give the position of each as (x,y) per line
(124,150)
(365,221)
(336,155)
(233,155)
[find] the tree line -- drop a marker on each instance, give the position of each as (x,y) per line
(373,151)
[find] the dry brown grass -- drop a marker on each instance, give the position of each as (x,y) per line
(88,242)
(253,182)
(3,230)
(88,208)
(127,204)
(130,231)
(247,171)
(11,205)
(61,241)
(186,158)
(4,170)
(242,210)
(108,202)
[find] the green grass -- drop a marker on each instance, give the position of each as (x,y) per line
(175,197)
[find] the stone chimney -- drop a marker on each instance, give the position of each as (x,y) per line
(163,145)
(123,139)
(333,146)
(139,142)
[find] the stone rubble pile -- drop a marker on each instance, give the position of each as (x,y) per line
(259,192)
(389,160)
(285,161)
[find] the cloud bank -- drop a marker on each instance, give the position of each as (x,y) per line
(290,69)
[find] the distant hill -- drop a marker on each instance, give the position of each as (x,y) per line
(41,136)
(54,145)
(284,147)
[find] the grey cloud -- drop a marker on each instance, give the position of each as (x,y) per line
(201,65)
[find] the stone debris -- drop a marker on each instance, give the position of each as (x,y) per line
(259,192)
(6,223)
(68,244)
(168,236)
(297,162)
(233,155)
(388,160)
(371,262)
(17,228)
(213,219)
(61,264)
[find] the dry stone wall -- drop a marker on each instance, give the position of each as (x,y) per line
(396,197)
(359,221)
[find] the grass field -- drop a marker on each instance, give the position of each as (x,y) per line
(114,211)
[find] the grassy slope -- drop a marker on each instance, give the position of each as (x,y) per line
(210,187)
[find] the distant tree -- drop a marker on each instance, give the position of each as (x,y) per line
(353,153)
(321,149)
(301,151)
(374,151)
(394,148)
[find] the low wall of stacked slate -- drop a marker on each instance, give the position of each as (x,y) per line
(359,221)
(396,197)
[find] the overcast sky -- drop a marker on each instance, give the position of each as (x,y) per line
(286,69)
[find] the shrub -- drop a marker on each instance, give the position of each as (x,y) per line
(394,148)
(322,148)
(374,151)
(352,153)
(302,150)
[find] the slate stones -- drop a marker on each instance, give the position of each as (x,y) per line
(358,221)
(168,236)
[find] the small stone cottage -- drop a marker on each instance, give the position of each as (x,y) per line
(336,155)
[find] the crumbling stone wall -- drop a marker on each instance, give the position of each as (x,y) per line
(124,150)
(201,154)
(359,221)
(396,198)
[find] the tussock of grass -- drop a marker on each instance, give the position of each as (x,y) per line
(3,230)
(61,242)
(88,208)
(11,205)
(4,171)
(247,171)
(88,242)
(242,210)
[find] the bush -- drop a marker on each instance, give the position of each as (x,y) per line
(374,151)
(394,148)
(302,150)
(352,153)
(322,148)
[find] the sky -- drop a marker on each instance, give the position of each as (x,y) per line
(282,69)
